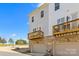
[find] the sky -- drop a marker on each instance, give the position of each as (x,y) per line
(14,19)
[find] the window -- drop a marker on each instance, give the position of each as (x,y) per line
(42,14)
(57,6)
(62,19)
(33,19)
(34,29)
(39,28)
(58,21)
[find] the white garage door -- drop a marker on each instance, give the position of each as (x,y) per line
(39,48)
(65,49)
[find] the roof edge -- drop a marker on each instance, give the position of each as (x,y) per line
(36,10)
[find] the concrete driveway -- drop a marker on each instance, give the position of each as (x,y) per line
(11,54)
(6,51)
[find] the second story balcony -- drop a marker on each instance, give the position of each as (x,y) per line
(66,28)
(36,35)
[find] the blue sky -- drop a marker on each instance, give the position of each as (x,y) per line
(14,19)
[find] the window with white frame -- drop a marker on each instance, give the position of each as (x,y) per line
(33,19)
(57,6)
(34,29)
(61,20)
(42,13)
(58,21)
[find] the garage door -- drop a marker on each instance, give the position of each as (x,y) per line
(71,48)
(41,48)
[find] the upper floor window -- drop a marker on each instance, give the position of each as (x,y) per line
(57,6)
(33,19)
(39,28)
(58,21)
(34,29)
(42,14)
(61,20)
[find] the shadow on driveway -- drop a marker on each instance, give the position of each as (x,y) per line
(27,51)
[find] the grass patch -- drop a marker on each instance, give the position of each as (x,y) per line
(6,45)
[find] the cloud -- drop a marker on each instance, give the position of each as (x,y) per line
(40,4)
(13,35)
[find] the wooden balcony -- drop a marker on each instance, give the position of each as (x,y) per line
(36,35)
(66,28)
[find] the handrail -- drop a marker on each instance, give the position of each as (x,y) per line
(66,27)
(36,34)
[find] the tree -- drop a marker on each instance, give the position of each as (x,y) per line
(3,41)
(21,42)
(11,41)
(0,40)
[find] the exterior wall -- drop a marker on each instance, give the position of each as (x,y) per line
(40,22)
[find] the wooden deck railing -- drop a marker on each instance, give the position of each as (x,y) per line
(36,35)
(66,27)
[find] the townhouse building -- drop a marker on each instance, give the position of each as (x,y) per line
(59,20)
